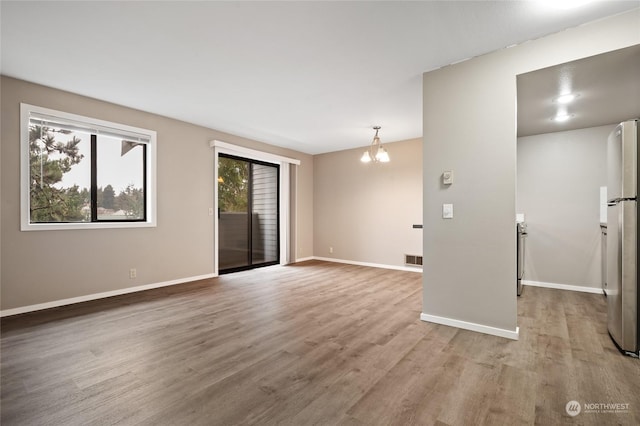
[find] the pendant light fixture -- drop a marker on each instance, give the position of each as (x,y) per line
(376,152)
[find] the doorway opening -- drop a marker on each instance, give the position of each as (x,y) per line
(565,115)
(248,213)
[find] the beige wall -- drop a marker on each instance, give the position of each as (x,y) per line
(303,215)
(46,266)
(470,128)
(366,211)
(558,189)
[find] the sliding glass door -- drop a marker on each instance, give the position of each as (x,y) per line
(248,214)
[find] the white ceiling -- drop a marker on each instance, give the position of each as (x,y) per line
(607,88)
(311,76)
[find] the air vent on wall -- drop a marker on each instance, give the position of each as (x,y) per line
(413,260)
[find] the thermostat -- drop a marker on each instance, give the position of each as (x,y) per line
(447,177)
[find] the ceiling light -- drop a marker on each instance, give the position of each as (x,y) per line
(561,118)
(566,4)
(565,99)
(376,151)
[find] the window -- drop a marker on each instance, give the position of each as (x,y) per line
(80,172)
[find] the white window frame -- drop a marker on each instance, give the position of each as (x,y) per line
(220,147)
(25,217)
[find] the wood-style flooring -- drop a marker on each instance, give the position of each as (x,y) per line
(309,344)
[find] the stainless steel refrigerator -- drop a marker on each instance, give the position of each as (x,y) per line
(622,236)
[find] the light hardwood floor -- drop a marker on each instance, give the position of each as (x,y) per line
(312,343)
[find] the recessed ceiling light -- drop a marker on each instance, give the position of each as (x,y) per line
(565,99)
(566,4)
(561,118)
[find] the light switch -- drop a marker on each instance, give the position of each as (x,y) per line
(447,177)
(210,211)
(447,211)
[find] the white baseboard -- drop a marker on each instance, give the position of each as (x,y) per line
(582,289)
(63,302)
(500,332)
(372,265)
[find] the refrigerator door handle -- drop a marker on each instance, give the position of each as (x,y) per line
(615,201)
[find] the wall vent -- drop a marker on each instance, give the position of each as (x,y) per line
(413,260)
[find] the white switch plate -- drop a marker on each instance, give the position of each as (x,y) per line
(447,211)
(210,211)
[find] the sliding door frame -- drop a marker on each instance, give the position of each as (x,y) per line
(285,163)
(251,263)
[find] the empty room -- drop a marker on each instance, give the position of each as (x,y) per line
(314,212)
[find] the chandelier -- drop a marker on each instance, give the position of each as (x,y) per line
(376,151)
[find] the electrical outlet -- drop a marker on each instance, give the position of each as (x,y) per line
(330,249)
(133,273)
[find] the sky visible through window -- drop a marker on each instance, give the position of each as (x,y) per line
(114,168)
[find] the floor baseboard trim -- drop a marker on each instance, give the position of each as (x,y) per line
(582,289)
(500,332)
(304,259)
(96,296)
(372,265)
